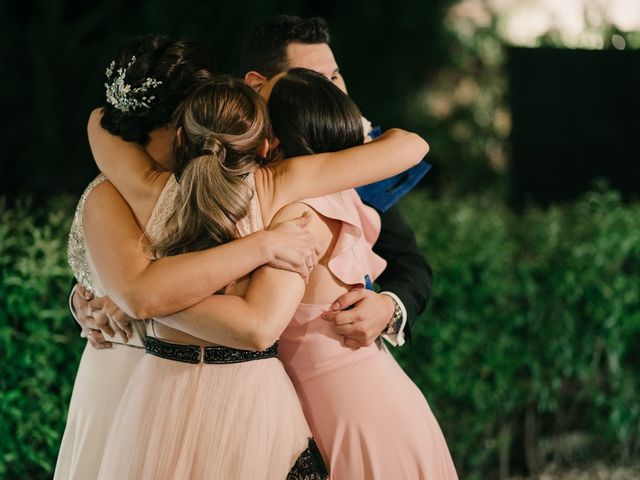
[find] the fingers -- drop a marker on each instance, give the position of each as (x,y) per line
(302,270)
(101,322)
(346,330)
(341,318)
(351,343)
(83,292)
(82,310)
(119,321)
(119,331)
(97,340)
(314,257)
(355,333)
(97,303)
(124,322)
(303,220)
(350,298)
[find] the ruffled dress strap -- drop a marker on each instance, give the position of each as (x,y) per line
(353,257)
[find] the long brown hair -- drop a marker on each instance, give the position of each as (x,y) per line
(224,122)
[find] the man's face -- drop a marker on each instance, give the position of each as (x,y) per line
(317,57)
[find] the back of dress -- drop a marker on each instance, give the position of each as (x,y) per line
(103,374)
(163,209)
(80,259)
(310,346)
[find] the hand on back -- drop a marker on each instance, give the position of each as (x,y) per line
(360,316)
(293,247)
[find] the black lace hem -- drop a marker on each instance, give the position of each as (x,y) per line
(309,465)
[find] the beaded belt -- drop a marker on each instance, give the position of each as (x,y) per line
(198,354)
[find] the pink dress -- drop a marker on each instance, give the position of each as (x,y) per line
(197,421)
(368,418)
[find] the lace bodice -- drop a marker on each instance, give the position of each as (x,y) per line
(165,205)
(76,247)
(80,260)
(253,221)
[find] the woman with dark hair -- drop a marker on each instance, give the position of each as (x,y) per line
(225,186)
(160,72)
(367,416)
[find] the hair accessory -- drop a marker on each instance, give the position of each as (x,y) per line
(122,95)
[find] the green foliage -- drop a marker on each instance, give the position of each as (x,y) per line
(533,328)
(531,334)
(39,346)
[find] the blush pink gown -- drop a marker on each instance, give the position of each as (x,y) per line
(369,419)
(236,421)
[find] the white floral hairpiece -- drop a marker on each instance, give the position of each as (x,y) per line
(122,95)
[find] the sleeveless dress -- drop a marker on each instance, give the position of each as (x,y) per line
(236,421)
(368,418)
(102,374)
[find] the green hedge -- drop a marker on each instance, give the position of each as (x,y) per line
(531,338)
(529,350)
(39,345)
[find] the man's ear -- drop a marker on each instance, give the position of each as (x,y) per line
(255,80)
(179,135)
(263,150)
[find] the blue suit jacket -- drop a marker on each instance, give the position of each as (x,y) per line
(384,194)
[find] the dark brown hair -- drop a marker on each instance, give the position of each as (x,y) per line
(311,115)
(265,50)
(178,64)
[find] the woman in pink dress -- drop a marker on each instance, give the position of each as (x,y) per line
(369,419)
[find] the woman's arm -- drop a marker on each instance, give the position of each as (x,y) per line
(312,176)
(257,319)
(128,166)
(144,288)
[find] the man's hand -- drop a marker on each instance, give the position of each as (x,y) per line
(361,325)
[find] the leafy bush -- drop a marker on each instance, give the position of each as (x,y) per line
(532,332)
(39,346)
(530,339)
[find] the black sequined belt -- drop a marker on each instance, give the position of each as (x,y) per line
(198,354)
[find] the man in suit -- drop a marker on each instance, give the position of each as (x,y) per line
(361,316)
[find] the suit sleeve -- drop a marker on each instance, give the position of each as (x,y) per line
(408,275)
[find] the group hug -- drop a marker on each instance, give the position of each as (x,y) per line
(225,261)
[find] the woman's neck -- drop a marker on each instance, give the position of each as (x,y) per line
(160,147)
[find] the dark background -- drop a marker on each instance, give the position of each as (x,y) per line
(54,54)
(576,117)
(574,113)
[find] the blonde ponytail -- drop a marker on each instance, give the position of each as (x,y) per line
(224,123)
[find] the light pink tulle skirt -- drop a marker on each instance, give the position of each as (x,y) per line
(197,421)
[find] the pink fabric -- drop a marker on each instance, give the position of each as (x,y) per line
(239,421)
(175,420)
(352,255)
(368,418)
